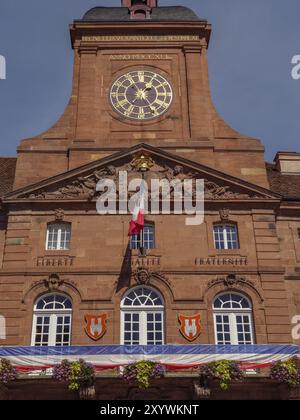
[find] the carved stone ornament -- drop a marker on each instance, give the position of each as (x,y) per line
(84,187)
(81,187)
(59,215)
(53,282)
(142,163)
(230,281)
(142,276)
(224,215)
(233,280)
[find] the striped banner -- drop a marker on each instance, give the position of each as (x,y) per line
(27,359)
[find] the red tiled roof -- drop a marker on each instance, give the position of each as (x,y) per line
(286,185)
(7,174)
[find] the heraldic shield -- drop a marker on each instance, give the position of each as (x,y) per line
(95,326)
(190,326)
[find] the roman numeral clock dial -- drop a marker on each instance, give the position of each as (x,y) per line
(141,95)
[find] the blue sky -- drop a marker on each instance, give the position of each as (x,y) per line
(250,55)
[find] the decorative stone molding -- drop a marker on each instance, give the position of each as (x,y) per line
(145,276)
(230,281)
(83,185)
(53,282)
(235,282)
(142,163)
(224,215)
(142,276)
(59,215)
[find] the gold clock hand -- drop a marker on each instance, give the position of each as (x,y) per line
(153,109)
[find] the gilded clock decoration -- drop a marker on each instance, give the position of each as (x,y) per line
(141,95)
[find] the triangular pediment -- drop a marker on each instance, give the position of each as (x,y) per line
(80,184)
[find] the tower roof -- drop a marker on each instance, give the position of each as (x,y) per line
(171,13)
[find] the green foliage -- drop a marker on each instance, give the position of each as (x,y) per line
(7,372)
(287,372)
(224,371)
(142,372)
(76,374)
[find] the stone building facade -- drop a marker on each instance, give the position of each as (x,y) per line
(248,245)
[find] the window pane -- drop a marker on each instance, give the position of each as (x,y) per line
(42,330)
(142,297)
(131,329)
(243,324)
(219,237)
(63,339)
(148,237)
(226,237)
(222,327)
(53,328)
(145,240)
(59,236)
(231,301)
(231,236)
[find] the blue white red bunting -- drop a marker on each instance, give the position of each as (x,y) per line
(172,356)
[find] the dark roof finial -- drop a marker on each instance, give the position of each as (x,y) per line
(140,9)
(130,3)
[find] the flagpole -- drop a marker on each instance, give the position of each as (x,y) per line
(142,163)
(142,248)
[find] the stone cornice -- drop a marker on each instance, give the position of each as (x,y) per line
(35,271)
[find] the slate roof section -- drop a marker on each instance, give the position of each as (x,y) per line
(115,14)
(7,174)
(286,185)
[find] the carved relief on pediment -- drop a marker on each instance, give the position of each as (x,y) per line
(83,187)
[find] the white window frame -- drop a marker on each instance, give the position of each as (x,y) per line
(232,314)
(59,237)
(226,239)
(139,242)
(143,332)
(53,314)
(142,311)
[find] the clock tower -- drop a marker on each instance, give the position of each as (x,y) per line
(140,76)
(74,283)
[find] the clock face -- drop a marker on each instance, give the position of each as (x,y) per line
(141,95)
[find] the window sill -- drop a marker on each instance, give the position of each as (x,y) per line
(233,252)
(55,252)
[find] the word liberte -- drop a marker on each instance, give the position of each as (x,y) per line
(187,197)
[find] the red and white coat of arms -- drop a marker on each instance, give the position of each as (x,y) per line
(95,326)
(190,326)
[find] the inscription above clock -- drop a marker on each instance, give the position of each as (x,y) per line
(141,95)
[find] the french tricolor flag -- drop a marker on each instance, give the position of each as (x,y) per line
(138,216)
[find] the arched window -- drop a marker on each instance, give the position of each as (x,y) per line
(58,236)
(142,317)
(145,241)
(233,319)
(52,320)
(226,236)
